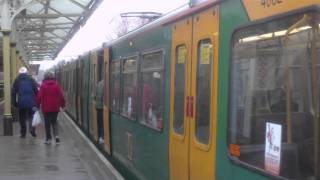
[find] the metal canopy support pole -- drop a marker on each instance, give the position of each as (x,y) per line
(17,62)
(6,30)
(7,117)
(13,61)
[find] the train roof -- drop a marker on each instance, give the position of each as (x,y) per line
(164,20)
(167,19)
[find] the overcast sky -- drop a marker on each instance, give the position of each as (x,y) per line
(97,28)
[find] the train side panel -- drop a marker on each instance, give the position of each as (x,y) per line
(140,150)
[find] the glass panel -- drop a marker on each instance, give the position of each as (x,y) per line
(274,96)
(179,89)
(129,101)
(152,90)
(203,93)
(115,86)
(152,60)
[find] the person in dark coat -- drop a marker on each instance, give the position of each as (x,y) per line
(51,99)
(24,90)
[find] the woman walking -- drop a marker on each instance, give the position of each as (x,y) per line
(51,99)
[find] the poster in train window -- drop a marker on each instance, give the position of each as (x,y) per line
(182,53)
(272,152)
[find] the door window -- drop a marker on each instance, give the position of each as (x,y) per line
(179,89)
(203,91)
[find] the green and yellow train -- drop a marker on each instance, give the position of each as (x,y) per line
(219,90)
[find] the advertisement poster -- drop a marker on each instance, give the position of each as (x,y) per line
(272,152)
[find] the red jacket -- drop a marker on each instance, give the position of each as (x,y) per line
(50,96)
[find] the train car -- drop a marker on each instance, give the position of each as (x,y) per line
(219,90)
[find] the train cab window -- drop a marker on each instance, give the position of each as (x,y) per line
(274,97)
(179,89)
(115,86)
(203,92)
(152,89)
(129,96)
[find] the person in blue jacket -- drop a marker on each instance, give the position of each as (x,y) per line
(24,93)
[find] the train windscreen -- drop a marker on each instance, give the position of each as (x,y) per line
(274,97)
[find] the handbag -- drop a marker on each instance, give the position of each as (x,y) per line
(36,120)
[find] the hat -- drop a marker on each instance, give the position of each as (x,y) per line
(49,74)
(23,70)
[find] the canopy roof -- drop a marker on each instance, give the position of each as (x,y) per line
(43,28)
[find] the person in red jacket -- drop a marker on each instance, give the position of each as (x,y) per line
(50,97)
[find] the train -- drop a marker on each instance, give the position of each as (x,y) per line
(221,89)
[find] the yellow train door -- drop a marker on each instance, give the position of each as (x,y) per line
(193,97)
(93,121)
(106,120)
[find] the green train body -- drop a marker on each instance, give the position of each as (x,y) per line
(142,151)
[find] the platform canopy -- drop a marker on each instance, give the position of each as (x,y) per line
(43,27)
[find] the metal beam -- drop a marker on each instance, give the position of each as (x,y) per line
(78,4)
(48,16)
(46,29)
(58,12)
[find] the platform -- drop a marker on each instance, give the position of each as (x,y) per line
(31,159)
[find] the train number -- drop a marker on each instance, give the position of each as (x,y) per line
(269,3)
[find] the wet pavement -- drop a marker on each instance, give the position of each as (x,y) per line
(31,159)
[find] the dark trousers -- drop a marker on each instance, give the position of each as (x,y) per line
(24,116)
(50,120)
(100,122)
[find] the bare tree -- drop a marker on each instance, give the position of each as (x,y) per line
(130,21)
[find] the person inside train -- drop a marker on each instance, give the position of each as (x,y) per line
(51,99)
(281,105)
(24,89)
(99,108)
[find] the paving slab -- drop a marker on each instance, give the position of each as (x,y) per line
(31,159)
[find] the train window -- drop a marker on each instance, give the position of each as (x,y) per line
(179,89)
(203,92)
(274,97)
(115,86)
(152,89)
(129,96)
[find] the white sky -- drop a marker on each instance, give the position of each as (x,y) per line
(97,28)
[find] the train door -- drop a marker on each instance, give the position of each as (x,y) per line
(85,93)
(106,119)
(193,96)
(94,81)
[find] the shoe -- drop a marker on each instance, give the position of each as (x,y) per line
(57,140)
(47,142)
(33,134)
(22,136)
(101,140)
